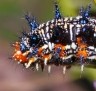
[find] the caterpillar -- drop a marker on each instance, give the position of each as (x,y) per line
(60,41)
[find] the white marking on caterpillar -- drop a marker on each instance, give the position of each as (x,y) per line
(91,47)
(73,45)
(50,46)
(92,57)
(67,47)
(71,33)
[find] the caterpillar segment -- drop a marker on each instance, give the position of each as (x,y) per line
(18,55)
(60,41)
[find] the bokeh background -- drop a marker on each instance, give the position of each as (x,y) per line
(14,77)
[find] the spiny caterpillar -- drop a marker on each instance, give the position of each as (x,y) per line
(61,41)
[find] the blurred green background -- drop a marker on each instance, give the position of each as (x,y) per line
(12,23)
(12,13)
